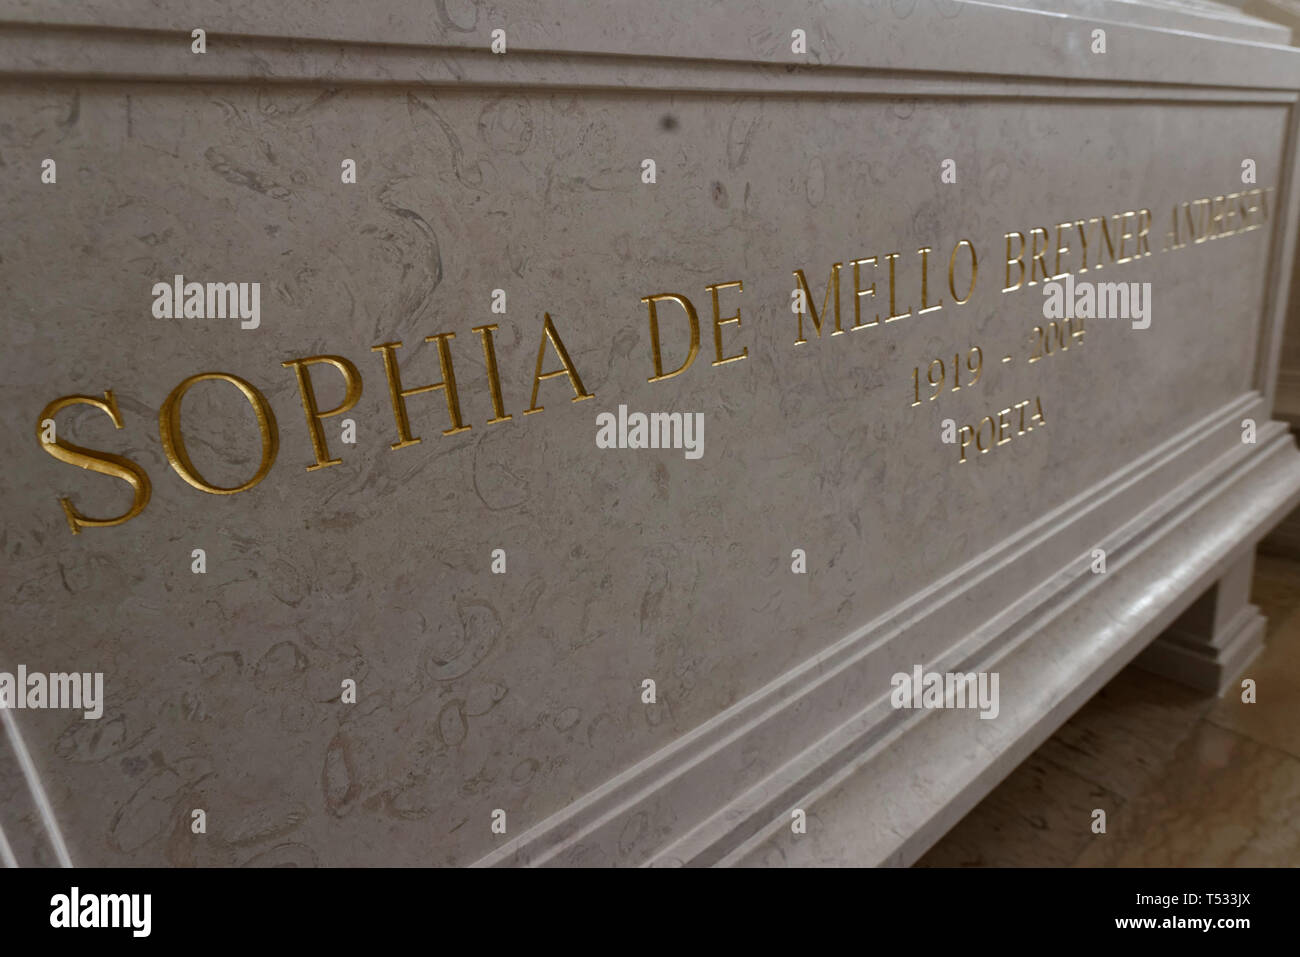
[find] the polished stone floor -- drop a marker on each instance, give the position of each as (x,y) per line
(1186,780)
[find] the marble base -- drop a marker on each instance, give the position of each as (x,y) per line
(921,780)
(1210,667)
(1218,636)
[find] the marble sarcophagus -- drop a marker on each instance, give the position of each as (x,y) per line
(556,433)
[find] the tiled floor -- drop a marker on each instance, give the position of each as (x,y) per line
(1185,779)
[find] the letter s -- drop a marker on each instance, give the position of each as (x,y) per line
(105,463)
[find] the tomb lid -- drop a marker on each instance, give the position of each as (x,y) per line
(1193,16)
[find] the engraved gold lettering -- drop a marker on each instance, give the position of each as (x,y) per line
(105,463)
(1125,235)
(1229,213)
(1037,256)
(832,289)
(1019,260)
(925,278)
(894,313)
(1003,438)
(652,302)
(1143,233)
(579,392)
(1105,235)
(965,435)
(1244,211)
(1216,217)
(719,322)
(1061,247)
(979,434)
(974,271)
(169,429)
(352,382)
(859,292)
(494,377)
(1171,237)
(398,395)
(999,429)
(1020,407)
(1082,226)
(1203,234)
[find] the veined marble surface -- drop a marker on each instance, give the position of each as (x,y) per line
(523,691)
